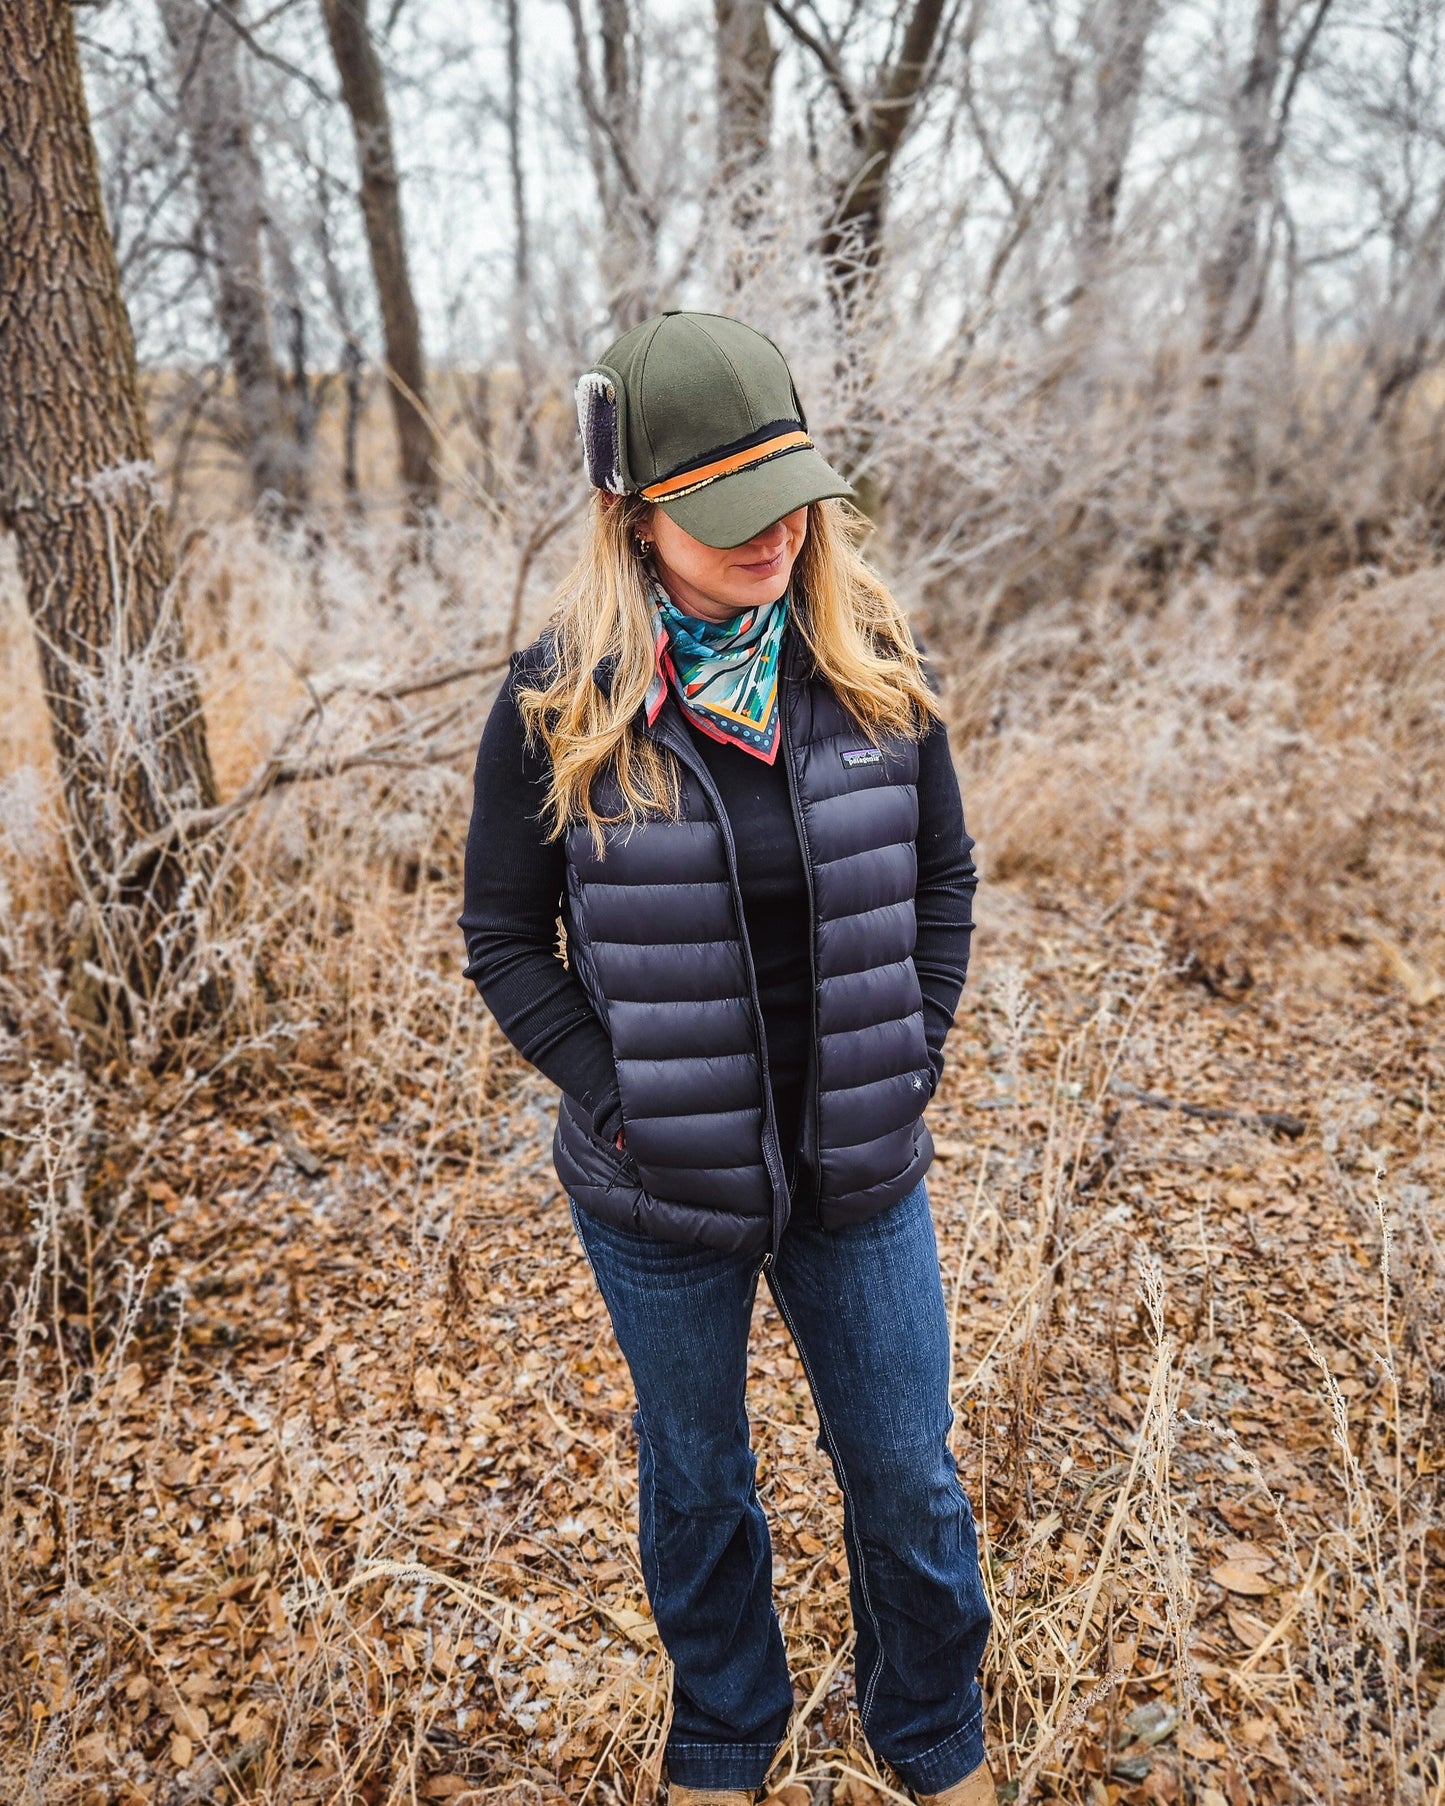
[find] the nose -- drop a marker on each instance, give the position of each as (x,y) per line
(768,541)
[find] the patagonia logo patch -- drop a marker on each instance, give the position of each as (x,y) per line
(862,755)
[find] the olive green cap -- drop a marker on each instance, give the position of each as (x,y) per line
(699,413)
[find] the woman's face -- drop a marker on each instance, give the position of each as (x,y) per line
(718,584)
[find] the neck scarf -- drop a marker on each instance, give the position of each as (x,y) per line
(724,674)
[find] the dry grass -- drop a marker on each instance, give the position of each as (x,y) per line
(317,1470)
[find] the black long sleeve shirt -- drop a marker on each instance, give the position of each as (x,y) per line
(516,879)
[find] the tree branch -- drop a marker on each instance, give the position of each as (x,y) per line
(598,119)
(409,745)
(832,68)
(257,49)
(1298,64)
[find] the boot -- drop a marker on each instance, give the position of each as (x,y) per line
(709,1796)
(976,1789)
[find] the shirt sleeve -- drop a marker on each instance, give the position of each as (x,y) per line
(515,880)
(947,880)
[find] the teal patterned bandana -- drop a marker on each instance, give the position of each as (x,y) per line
(724,674)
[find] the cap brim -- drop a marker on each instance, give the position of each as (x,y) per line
(735,509)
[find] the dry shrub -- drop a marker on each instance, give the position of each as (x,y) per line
(1254,781)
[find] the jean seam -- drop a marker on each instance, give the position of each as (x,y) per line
(966,1729)
(865,1704)
(724,1749)
(684,1746)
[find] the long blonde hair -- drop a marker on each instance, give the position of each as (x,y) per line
(857,633)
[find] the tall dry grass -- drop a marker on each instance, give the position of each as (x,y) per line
(1260,801)
(1258,783)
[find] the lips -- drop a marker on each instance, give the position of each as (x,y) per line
(764,567)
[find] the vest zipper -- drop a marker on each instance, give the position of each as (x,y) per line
(772,1152)
(810,1131)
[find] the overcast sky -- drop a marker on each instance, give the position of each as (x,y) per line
(446,69)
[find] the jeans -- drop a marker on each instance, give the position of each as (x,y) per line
(864,1306)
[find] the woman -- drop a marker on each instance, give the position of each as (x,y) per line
(723,768)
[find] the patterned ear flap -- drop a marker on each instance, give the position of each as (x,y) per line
(600,421)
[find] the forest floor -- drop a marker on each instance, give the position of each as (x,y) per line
(346,1512)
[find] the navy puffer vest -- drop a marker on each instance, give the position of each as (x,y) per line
(655,933)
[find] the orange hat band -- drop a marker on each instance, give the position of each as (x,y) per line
(702,474)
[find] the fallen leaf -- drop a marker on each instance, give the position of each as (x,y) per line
(1250,1630)
(850,1790)
(1196,1742)
(182,1749)
(634,1625)
(94,1751)
(1262,1734)
(192,1722)
(1236,1577)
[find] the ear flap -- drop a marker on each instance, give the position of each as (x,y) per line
(599,417)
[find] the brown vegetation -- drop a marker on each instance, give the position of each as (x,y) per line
(1127,322)
(318,1471)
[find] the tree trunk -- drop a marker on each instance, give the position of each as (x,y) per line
(1225,275)
(629,222)
(1120,36)
(77,490)
(1406,340)
(520,310)
(853,243)
(205,50)
(745,63)
(517,173)
(364,89)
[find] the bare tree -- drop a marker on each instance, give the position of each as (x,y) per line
(517,182)
(1410,337)
(629,220)
(1233,278)
(205,49)
(352,361)
(878,118)
(530,395)
(77,491)
(363,87)
(745,63)
(1119,36)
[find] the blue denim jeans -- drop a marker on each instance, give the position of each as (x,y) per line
(865,1307)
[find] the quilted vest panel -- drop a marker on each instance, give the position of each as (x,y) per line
(656,934)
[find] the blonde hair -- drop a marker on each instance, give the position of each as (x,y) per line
(857,633)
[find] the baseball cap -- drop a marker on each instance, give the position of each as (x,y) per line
(698,413)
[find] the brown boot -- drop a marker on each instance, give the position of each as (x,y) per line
(976,1789)
(708,1796)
